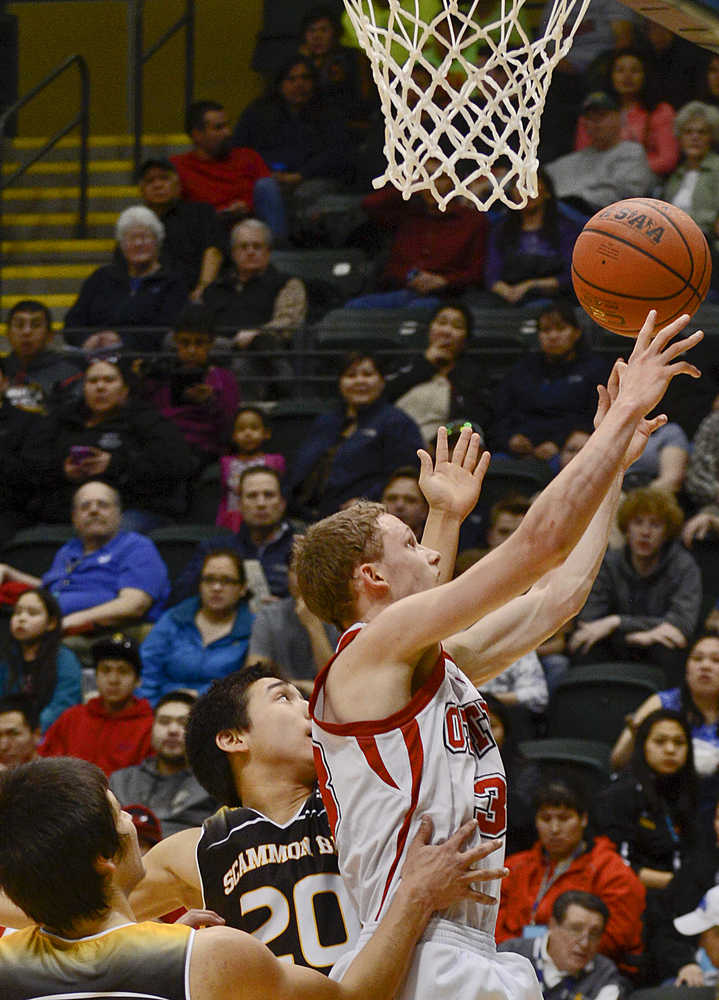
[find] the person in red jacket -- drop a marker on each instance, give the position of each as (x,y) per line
(112,730)
(433,253)
(563,858)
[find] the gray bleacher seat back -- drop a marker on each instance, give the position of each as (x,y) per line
(205,495)
(32,550)
(591,702)
(706,553)
(176,543)
(290,421)
(512,475)
(583,763)
(345,269)
(347,329)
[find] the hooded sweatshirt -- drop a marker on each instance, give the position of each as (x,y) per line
(110,740)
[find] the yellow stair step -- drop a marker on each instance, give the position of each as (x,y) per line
(46,271)
(73,141)
(50,193)
(56,218)
(56,246)
(59,300)
(71,167)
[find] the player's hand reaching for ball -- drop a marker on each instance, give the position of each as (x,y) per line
(453,485)
(652,364)
(444,874)
(645,428)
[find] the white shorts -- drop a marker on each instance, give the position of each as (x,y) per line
(454,962)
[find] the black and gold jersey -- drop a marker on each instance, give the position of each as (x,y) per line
(147,961)
(279,883)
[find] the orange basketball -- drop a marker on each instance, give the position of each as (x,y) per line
(636,255)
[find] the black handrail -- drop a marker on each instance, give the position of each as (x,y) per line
(141,57)
(82,118)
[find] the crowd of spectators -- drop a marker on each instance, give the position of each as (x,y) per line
(177,350)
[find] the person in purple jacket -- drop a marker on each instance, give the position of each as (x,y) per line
(199,398)
(529,251)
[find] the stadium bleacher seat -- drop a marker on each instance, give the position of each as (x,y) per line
(345,270)
(584,763)
(176,543)
(32,550)
(706,553)
(512,475)
(345,329)
(290,420)
(205,494)
(591,702)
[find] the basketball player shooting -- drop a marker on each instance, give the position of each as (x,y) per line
(398,725)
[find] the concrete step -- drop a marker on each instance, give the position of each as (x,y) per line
(60,300)
(101,172)
(60,251)
(55,225)
(40,199)
(102,147)
(40,280)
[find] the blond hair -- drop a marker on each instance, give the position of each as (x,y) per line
(326,557)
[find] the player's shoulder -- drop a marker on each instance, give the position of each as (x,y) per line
(218,827)
(219,954)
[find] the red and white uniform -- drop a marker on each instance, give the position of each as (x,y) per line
(437,756)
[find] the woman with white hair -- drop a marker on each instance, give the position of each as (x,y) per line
(135,290)
(694,185)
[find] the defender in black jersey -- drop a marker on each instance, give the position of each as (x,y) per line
(279,883)
(268,866)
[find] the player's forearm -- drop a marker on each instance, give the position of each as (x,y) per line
(495,642)
(379,969)
(570,584)
(441,533)
(560,515)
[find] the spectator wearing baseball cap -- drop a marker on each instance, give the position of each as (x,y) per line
(195,238)
(702,923)
(113,729)
(607,167)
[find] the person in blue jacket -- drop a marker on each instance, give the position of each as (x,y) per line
(548,393)
(37,664)
(203,637)
(352,451)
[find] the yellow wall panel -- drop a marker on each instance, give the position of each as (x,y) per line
(49,32)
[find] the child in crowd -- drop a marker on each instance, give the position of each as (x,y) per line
(198,397)
(37,663)
(249,435)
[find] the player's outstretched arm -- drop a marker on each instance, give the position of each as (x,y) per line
(171,877)
(451,487)
(499,639)
(230,965)
(552,527)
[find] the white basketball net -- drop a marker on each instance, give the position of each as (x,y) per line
(440,105)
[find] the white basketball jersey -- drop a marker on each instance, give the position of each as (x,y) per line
(437,756)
